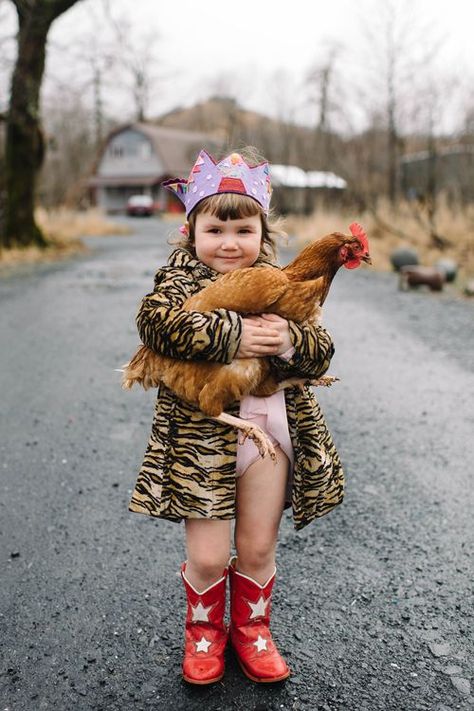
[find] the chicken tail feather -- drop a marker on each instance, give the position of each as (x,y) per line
(141,369)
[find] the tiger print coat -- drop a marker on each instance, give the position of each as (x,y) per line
(189,466)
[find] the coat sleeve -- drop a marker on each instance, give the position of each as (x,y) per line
(313,352)
(166,328)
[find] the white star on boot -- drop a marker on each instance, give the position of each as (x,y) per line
(201,613)
(259,608)
(261,644)
(203,645)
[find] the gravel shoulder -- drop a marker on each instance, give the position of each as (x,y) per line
(373,605)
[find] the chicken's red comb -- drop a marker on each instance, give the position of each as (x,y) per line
(359,232)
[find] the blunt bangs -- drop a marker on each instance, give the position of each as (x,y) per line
(229,206)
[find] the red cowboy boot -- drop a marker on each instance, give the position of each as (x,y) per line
(250,628)
(205,632)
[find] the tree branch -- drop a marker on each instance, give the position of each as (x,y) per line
(60,6)
(49,9)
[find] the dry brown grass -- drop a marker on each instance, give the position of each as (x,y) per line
(63,229)
(409,231)
(64,224)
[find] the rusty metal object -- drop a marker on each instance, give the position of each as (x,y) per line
(412,276)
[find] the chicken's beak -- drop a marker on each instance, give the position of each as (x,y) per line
(366,258)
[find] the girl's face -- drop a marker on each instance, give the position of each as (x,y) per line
(227,245)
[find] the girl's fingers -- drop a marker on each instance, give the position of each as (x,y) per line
(273,343)
(258,352)
(265,332)
(272,317)
(253,327)
(269,341)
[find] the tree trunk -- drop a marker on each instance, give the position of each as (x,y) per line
(24,150)
(392,149)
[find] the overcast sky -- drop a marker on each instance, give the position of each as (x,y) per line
(212,43)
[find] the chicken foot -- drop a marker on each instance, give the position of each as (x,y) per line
(254,432)
(271,385)
(323,381)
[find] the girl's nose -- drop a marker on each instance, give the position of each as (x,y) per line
(229,242)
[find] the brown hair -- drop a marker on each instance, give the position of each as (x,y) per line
(235,206)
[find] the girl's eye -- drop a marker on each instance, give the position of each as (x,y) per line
(244,231)
(214,230)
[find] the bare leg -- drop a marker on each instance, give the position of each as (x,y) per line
(208,550)
(260,500)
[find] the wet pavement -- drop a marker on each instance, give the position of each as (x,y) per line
(373,605)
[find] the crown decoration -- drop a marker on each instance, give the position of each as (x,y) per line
(230,175)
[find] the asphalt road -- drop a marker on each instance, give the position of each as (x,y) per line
(373,606)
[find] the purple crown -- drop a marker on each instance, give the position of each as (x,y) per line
(231,175)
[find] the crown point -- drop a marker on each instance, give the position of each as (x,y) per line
(235,158)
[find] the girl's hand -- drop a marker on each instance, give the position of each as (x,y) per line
(281,325)
(259,338)
(264,335)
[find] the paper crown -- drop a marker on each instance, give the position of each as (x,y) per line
(231,175)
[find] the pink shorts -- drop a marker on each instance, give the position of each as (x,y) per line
(269,413)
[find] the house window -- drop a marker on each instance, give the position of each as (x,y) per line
(130,145)
(116,151)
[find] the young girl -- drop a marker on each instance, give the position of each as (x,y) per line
(194,468)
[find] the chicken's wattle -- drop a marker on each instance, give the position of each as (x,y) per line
(352,263)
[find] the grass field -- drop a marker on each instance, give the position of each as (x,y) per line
(405,227)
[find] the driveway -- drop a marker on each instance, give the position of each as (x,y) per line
(373,606)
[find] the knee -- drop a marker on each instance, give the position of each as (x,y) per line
(255,552)
(207,565)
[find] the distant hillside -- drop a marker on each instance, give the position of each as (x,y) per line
(279,141)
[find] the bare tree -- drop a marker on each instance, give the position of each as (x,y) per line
(70,124)
(24,143)
(431,114)
(137,58)
(323,82)
(226,90)
(7,51)
(283,93)
(398,48)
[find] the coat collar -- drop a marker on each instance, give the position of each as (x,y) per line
(183,258)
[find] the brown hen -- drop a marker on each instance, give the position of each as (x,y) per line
(294,293)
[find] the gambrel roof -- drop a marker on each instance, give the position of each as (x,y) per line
(177,148)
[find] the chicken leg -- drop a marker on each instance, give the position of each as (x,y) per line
(254,432)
